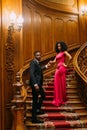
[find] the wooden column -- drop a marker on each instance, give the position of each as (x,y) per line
(18,106)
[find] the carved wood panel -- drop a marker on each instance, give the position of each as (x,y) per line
(48,36)
(82,61)
(37,31)
(27,34)
(59,27)
(72,31)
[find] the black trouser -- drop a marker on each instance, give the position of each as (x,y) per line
(37,102)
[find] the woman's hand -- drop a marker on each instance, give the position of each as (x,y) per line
(64,65)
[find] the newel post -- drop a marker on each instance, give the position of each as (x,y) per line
(18,106)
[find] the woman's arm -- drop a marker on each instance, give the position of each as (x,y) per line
(69,57)
(52,61)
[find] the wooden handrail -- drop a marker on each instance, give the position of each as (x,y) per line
(76,62)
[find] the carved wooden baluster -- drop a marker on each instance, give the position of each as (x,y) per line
(18,106)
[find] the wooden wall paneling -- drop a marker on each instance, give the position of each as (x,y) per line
(27,34)
(48,35)
(72,31)
(83,28)
(59,29)
(37,31)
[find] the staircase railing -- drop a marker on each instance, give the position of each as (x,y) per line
(80,66)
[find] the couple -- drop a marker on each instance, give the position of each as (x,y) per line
(36,80)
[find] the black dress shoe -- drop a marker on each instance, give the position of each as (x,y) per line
(40,112)
(37,121)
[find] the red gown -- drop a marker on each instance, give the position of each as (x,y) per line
(60,81)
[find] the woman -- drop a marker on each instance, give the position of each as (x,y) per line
(60,73)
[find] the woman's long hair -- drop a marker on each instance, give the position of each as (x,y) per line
(63,46)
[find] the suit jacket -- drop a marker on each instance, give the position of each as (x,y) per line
(36,73)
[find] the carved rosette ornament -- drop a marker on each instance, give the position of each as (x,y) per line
(10,53)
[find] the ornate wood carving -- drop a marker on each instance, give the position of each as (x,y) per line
(18,108)
(10,53)
(82,61)
(80,65)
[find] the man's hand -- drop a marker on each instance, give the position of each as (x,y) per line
(39,96)
(48,65)
(36,86)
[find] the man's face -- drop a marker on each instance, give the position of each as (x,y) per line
(38,56)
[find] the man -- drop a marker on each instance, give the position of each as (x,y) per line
(36,82)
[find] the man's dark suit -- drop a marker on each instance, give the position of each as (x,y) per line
(36,77)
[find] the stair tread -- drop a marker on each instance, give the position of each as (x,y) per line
(56,108)
(50,102)
(59,123)
(72,96)
(59,114)
(66,102)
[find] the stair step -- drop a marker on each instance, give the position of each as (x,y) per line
(49,102)
(68,124)
(73,96)
(70,92)
(52,86)
(59,116)
(54,109)
(51,97)
(59,125)
(56,116)
(70,103)
(82,114)
(71,86)
(81,110)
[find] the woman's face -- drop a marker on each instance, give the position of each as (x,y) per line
(59,46)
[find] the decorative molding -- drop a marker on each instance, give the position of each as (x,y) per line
(65,2)
(71,7)
(10,53)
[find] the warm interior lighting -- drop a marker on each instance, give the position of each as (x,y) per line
(20,21)
(83,10)
(16,23)
(12,18)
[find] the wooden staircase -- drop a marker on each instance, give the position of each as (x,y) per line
(72,115)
